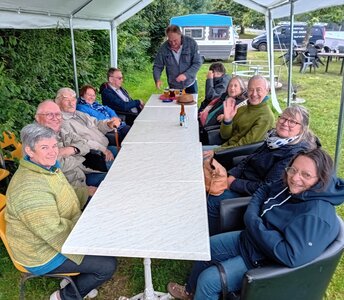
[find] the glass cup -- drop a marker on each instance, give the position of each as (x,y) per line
(172,94)
(166,93)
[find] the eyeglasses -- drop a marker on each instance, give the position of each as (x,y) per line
(291,123)
(119,78)
(303,174)
(50,116)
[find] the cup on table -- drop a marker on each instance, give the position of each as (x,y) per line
(166,93)
(172,94)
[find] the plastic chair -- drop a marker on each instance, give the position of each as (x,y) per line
(307,282)
(3,173)
(11,144)
(26,275)
(310,59)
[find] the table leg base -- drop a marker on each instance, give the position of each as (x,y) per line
(141,296)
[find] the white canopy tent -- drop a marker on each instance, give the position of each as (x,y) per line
(76,14)
(273,9)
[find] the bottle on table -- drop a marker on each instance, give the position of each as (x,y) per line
(182,115)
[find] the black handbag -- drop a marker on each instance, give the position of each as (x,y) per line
(95,160)
(226,295)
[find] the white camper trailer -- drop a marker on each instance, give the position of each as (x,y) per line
(214,34)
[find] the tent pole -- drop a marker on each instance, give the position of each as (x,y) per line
(113,45)
(76,86)
(340,129)
(291,48)
(268,24)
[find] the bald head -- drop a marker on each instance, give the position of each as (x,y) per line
(49,114)
(258,89)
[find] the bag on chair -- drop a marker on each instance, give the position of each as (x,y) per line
(215,177)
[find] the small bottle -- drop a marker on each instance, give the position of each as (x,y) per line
(182,116)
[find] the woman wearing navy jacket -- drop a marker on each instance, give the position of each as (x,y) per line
(267,163)
(290,222)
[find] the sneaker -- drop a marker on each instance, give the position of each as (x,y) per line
(178,291)
(55,295)
(92,294)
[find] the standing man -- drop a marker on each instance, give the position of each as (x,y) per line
(180,55)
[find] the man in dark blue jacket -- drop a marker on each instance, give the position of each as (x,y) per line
(116,97)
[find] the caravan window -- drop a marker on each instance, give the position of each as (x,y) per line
(218,33)
(195,32)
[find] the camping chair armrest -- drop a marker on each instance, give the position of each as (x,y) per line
(232,213)
(232,156)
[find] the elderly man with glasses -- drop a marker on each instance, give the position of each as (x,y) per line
(116,97)
(87,127)
(72,148)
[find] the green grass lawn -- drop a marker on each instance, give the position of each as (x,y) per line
(322,93)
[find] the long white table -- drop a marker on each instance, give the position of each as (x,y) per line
(152,203)
(162,132)
(154,101)
(171,163)
(167,114)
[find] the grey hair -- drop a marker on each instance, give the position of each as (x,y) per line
(241,83)
(33,133)
(306,134)
(60,94)
(259,77)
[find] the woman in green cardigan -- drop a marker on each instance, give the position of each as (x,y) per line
(42,209)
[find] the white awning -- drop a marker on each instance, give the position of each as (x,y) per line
(90,14)
(281,8)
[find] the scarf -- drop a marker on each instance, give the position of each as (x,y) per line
(273,141)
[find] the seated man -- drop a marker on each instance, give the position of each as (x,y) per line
(72,148)
(87,103)
(116,97)
(87,127)
(247,124)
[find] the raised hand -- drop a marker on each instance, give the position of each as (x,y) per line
(229,109)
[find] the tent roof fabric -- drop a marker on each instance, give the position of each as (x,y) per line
(86,14)
(281,8)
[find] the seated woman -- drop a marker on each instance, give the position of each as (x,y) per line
(267,163)
(211,112)
(87,104)
(289,222)
(246,124)
(42,209)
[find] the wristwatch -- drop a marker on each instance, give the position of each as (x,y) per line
(76,150)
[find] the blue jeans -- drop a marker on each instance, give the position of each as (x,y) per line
(94,179)
(213,205)
(94,271)
(192,89)
(114,152)
(205,277)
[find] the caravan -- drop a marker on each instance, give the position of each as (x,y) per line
(214,34)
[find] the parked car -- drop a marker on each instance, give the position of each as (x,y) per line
(282,36)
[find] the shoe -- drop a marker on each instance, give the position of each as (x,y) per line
(178,291)
(92,294)
(55,295)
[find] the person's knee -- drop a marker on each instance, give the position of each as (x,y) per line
(208,284)
(107,267)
